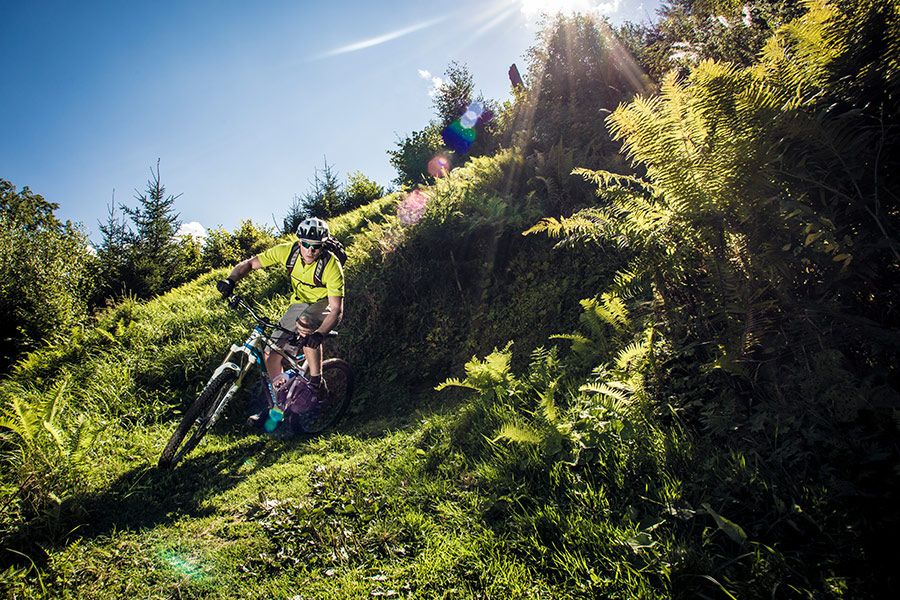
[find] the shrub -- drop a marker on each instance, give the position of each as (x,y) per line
(46,274)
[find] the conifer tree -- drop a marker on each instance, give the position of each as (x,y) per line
(295,215)
(153,248)
(326,198)
(112,255)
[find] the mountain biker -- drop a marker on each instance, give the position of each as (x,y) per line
(315,310)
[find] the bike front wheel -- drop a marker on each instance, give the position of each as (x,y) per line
(339,380)
(198,419)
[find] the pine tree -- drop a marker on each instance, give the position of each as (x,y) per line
(326,198)
(112,255)
(295,215)
(153,248)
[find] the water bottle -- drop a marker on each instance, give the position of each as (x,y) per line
(283,379)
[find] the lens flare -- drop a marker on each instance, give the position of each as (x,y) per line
(458,138)
(439,166)
(472,114)
(460,134)
(412,208)
(183,565)
(276,416)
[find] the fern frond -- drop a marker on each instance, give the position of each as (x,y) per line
(454,382)
(52,408)
(584,224)
(606,179)
(613,310)
(633,281)
(547,404)
(607,390)
(56,434)
(24,421)
(631,354)
(519,433)
(109,337)
(576,338)
(82,437)
(11,426)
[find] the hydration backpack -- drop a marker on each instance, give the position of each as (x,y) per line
(331,247)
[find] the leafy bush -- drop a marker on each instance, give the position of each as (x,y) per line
(413,153)
(753,236)
(224,249)
(46,275)
(361,190)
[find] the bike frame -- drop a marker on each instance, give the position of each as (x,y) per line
(242,358)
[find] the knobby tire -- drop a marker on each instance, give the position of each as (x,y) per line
(203,406)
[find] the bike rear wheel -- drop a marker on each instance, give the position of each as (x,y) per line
(339,379)
(198,419)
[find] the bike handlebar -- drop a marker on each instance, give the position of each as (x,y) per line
(236,302)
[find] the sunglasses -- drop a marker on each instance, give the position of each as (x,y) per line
(311,245)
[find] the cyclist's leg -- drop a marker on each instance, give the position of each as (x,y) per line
(280,338)
(312,318)
(314,360)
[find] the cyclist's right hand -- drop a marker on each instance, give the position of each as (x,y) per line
(225,287)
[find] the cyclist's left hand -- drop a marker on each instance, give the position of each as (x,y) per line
(314,340)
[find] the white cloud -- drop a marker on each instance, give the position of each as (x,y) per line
(381,39)
(193,229)
(436,82)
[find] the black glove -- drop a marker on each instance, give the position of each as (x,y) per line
(314,340)
(225,287)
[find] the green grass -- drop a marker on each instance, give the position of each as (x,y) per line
(551,474)
(338,517)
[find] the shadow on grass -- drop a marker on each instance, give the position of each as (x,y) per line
(141,498)
(145,497)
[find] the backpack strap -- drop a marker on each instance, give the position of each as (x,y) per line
(320,264)
(320,269)
(292,257)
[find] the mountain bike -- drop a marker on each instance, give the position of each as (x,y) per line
(321,413)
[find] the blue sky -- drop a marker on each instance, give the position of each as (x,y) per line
(241,101)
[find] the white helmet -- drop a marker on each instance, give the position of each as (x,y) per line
(313,230)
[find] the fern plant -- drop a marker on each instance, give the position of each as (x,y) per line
(46,447)
(759,201)
(530,414)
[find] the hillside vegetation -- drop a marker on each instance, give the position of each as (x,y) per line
(685,386)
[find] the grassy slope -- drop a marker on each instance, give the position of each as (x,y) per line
(416,495)
(391,505)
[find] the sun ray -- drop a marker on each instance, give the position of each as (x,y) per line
(496,17)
